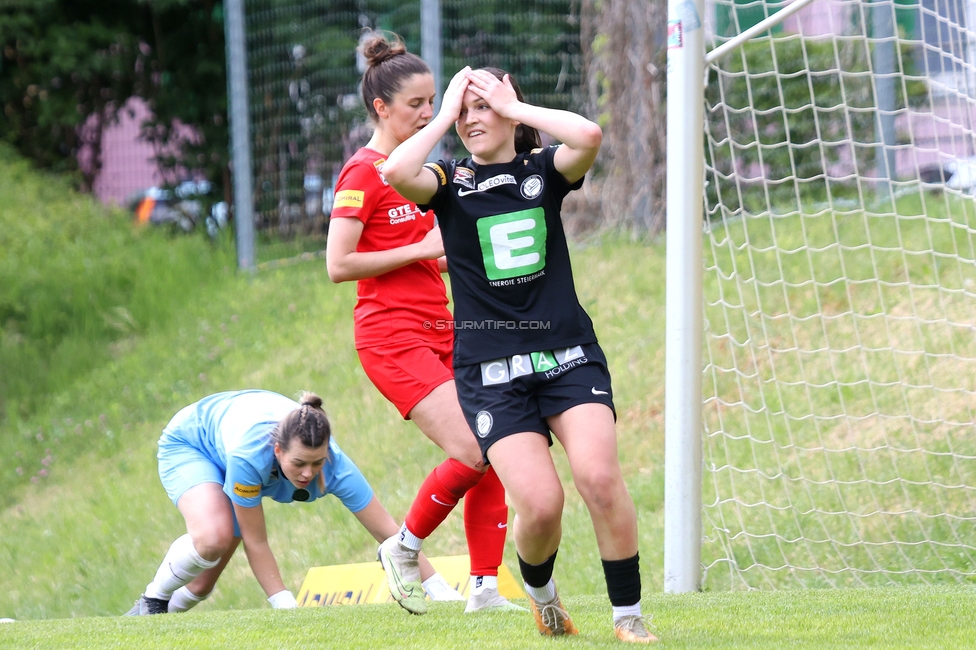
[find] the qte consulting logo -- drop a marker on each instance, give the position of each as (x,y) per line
(513,244)
(403,213)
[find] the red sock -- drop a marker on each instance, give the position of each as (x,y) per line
(439,493)
(485,524)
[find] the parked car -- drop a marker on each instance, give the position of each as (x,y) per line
(185,207)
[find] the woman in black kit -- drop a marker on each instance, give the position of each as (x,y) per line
(527,363)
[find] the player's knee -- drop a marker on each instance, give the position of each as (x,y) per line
(601,488)
(468,453)
(211,545)
(541,514)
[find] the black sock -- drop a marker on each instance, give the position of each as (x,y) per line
(623,581)
(537,575)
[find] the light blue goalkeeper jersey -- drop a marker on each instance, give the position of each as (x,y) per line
(233,431)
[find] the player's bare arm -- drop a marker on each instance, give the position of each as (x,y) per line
(254,533)
(404,168)
(345,263)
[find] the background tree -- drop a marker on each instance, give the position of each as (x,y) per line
(66,69)
(623,44)
(186,88)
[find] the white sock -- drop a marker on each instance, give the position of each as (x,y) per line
(433,582)
(480,583)
(438,589)
(184,599)
(541,594)
(409,540)
(629,610)
(181,565)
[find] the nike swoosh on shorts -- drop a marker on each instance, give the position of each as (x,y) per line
(599,392)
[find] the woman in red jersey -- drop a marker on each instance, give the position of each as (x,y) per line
(404,331)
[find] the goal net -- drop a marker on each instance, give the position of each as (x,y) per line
(839,384)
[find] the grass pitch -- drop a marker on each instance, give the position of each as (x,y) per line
(890,618)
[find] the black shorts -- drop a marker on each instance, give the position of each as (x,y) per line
(517,394)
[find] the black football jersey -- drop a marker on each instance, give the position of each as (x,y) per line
(508,260)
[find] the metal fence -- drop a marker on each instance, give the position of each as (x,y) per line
(307,117)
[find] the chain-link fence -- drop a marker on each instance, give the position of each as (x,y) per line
(307,116)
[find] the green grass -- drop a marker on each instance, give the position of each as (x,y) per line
(855,618)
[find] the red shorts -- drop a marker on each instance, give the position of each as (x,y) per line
(407,372)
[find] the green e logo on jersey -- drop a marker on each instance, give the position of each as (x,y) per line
(513,244)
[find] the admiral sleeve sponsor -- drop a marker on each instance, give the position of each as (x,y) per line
(247,491)
(349,199)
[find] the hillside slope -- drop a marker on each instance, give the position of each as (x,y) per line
(85,520)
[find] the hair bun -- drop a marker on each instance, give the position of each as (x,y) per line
(311,399)
(377,49)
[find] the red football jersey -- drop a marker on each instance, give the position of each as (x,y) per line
(408,303)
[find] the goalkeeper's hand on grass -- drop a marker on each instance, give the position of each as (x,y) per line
(283,600)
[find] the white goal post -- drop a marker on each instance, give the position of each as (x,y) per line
(821,293)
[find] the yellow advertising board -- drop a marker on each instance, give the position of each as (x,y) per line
(360,584)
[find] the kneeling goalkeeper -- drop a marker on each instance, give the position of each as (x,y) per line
(218,458)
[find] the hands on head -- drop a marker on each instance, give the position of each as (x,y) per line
(499,94)
(454,94)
